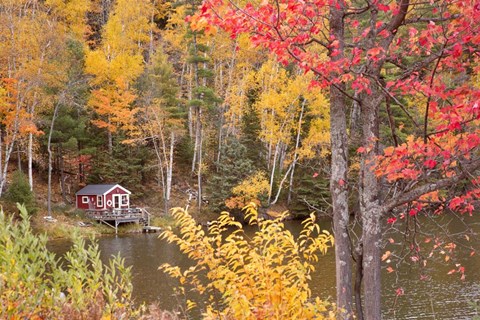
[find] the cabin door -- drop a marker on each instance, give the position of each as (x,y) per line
(116,201)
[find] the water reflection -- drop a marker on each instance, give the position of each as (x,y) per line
(429,293)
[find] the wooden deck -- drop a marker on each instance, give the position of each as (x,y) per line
(114,217)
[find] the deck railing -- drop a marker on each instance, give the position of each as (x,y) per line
(116,214)
(114,217)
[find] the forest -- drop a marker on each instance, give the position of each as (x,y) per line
(115,92)
(367,112)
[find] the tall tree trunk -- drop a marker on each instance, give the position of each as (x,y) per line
(269,154)
(220,132)
(61,167)
(169,172)
(281,183)
(197,157)
(3,174)
(221,111)
(110,141)
(272,174)
(190,108)
(338,178)
(160,174)
(297,144)
(30,160)
(81,171)
(355,123)
(281,159)
(19,158)
(195,146)
(8,151)
(199,176)
(198,108)
(50,156)
(358,280)
(370,206)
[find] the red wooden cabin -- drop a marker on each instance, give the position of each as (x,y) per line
(103,197)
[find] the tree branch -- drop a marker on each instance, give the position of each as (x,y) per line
(426,188)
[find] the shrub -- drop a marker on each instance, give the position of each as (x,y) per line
(34,285)
(19,192)
(252,189)
(263,277)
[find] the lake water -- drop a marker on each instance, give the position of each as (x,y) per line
(429,293)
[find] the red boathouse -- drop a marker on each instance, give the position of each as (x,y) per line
(103,197)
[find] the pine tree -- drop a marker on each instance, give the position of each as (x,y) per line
(233,168)
(19,192)
(251,131)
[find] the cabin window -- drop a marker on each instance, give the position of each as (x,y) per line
(124,199)
(85,199)
(99,201)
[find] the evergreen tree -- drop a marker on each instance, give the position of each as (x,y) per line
(19,192)
(251,128)
(234,167)
(128,165)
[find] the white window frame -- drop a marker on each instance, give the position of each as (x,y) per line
(99,201)
(124,197)
(85,199)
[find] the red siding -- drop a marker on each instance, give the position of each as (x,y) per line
(92,202)
(108,200)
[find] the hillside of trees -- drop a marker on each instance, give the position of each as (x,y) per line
(123,92)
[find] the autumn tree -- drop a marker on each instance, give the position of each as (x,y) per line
(116,64)
(29,65)
(67,142)
(378,52)
(162,116)
(10,127)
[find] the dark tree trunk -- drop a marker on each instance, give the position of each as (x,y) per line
(358,281)
(370,205)
(338,179)
(62,175)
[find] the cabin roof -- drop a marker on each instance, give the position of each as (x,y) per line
(99,189)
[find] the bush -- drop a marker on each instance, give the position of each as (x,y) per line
(34,285)
(19,192)
(262,277)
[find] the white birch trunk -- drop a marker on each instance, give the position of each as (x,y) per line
(161,179)
(272,174)
(9,149)
(295,153)
(170,167)
(30,160)
(200,167)
(8,152)
(49,149)
(281,183)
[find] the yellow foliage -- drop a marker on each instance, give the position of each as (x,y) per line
(280,104)
(248,191)
(264,276)
(114,105)
(176,29)
(118,63)
(74,14)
